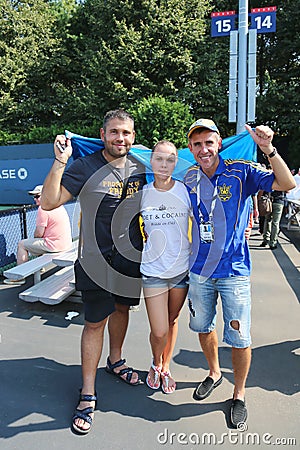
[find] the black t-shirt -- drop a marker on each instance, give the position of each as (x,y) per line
(105,218)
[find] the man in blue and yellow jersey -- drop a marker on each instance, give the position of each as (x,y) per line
(220,192)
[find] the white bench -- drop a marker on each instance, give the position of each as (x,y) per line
(53,289)
(34,266)
(56,287)
(65,259)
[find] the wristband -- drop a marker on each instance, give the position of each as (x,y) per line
(60,161)
(274,152)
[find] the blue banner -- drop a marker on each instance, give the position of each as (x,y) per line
(240,146)
(18,176)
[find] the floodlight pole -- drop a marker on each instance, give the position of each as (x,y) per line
(242,66)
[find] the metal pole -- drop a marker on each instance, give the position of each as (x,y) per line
(232,101)
(242,66)
(252,76)
(23,220)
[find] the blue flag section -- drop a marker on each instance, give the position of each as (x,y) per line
(240,146)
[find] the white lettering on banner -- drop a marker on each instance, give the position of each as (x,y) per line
(10,174)
(7,174)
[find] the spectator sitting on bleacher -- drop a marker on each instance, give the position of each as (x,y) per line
(52,234)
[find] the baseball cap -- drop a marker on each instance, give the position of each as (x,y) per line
(36,190)
(203,123)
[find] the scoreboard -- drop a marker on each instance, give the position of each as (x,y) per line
(261,19)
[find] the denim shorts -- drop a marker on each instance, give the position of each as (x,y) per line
(180,281)
(235,293)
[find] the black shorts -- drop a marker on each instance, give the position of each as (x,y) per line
(99,304)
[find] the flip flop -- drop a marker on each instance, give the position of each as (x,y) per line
(166,378)
(157,373)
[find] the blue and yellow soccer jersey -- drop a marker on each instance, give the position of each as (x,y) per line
(233,184)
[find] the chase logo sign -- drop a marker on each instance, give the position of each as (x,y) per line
(12,174)
(224,193)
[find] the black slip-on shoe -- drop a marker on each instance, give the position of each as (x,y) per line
(205,388)
(238,413)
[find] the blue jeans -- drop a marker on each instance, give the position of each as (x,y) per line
(235,293)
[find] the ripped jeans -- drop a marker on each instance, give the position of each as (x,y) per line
(235,293)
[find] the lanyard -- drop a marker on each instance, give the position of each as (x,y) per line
(214,196)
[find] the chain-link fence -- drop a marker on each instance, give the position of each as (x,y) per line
(20,223)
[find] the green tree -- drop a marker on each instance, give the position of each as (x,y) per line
(278,75)
(131,49)
(157,118)
(65,63)
(278,63)
(32,81)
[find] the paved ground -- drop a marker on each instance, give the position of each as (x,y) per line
(40,374)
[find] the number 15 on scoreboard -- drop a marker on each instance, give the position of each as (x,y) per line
(222,23)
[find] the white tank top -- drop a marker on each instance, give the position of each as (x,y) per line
(166,218)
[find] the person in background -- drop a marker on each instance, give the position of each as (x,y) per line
(219,190)
(294,194)
(261,210)
(272,220)
(261,218)
(297,177)
(52,234)
(166,211)
(255,209)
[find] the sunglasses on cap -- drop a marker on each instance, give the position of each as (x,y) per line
(37,196)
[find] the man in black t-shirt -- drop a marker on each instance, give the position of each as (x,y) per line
(108,184)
